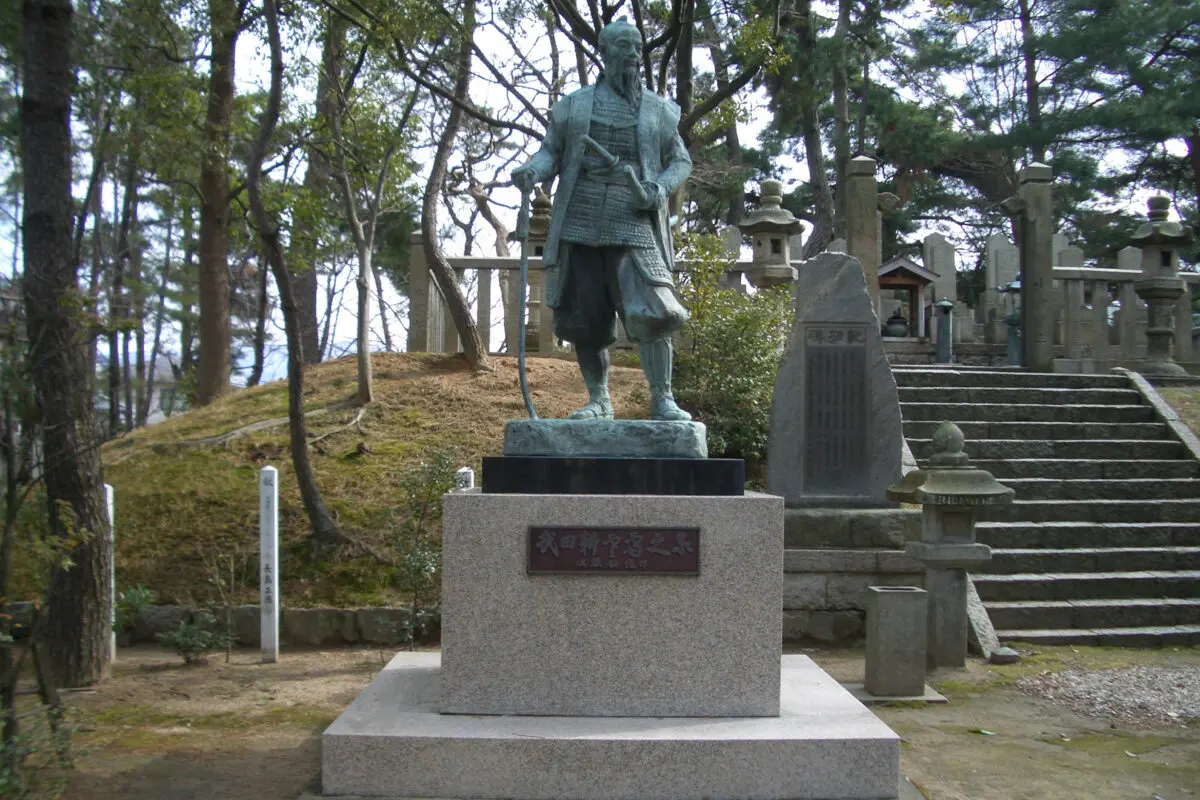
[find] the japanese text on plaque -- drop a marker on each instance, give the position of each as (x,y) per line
(614,550)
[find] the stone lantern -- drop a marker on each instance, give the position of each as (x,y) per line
(770,227)
(1160,285)
(949,491)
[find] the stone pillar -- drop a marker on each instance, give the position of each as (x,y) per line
(1100,341)
(938,256)
(1002,266)
(1183,326)
(949,491)
(1074,312)
(862,221)
(1069,256)
(539,333)
(1037,264)
(450,343)
(418,296)
(110,498)
(1131,318)
(897,631)
(268,563)
(944,331)
(483,306)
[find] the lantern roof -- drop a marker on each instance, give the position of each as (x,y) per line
(770,216)
(1160,231)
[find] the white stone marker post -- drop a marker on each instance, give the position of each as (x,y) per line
(268,563)
(110,497)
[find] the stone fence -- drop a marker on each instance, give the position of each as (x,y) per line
(1100,322)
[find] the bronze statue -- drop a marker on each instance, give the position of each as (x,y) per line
(616,150)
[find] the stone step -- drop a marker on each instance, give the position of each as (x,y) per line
(1024,412)
(986,449)
(1062,535)
(1095,469)
(1120,489)
(918,429)
(1086,559)
(1162,510)
(1134,612)
(1005,378)
(1169,636)
(1083,585)
(1027,396)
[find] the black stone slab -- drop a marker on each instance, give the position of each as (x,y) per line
(657,476)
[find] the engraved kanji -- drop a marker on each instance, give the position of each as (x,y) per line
(567,542)
(588,542)
(548,542)
(682,545)
(612,542)
(656,545)
(634,547)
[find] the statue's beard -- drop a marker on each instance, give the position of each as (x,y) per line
(626,82)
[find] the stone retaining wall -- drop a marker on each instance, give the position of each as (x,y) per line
(312,627)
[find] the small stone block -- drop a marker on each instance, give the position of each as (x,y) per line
(392,743)
(624,438)
(1004,655)
(929,695)
(896,641)
(653,476)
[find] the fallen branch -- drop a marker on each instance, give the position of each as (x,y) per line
(354,423)
(224,439)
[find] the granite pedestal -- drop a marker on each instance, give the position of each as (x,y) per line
(392,743)
(621,643)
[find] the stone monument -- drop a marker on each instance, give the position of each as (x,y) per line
(612,612)
(835,436)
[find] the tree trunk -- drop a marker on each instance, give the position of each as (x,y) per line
(841,114)
(78,598)
(1193,147)
(810,127)
(159,317)
(443,275)
(317,183)
(260,328)
(1033,105)
(325,528)
(214,363)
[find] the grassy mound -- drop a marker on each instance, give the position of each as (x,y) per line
(186,491)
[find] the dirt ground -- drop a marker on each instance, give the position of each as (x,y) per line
(244,731)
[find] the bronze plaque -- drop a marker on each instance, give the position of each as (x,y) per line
(614,551)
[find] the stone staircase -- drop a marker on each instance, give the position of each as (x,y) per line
(1102,545)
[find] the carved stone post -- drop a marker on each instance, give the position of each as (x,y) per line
(1035,216)
(949,490)
(1160,285)
(540,333)
(418,296)
(862,221)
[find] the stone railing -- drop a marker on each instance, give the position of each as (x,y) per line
(1096,336)
(431,330)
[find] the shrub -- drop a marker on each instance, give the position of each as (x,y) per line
(194,638)
(728,353)
(130,605)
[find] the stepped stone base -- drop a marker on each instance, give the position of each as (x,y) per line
(392,743)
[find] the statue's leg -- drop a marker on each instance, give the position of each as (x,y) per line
(586,317)
(593,363)
(652,314)
(657,357)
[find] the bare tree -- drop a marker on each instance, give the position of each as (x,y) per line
(325,528)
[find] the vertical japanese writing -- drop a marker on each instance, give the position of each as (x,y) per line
(614,550)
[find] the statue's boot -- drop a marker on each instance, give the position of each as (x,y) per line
(656,363)
(593,363)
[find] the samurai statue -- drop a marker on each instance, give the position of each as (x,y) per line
(616,150)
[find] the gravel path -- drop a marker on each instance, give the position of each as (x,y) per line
(1140,695)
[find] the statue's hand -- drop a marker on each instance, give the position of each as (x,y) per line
(656,196)
(524,178)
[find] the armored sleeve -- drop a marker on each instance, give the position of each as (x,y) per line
(677,164)
(548,159)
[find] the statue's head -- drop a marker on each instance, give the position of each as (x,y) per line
(621,53)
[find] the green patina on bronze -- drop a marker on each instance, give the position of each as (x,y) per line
(616,151)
